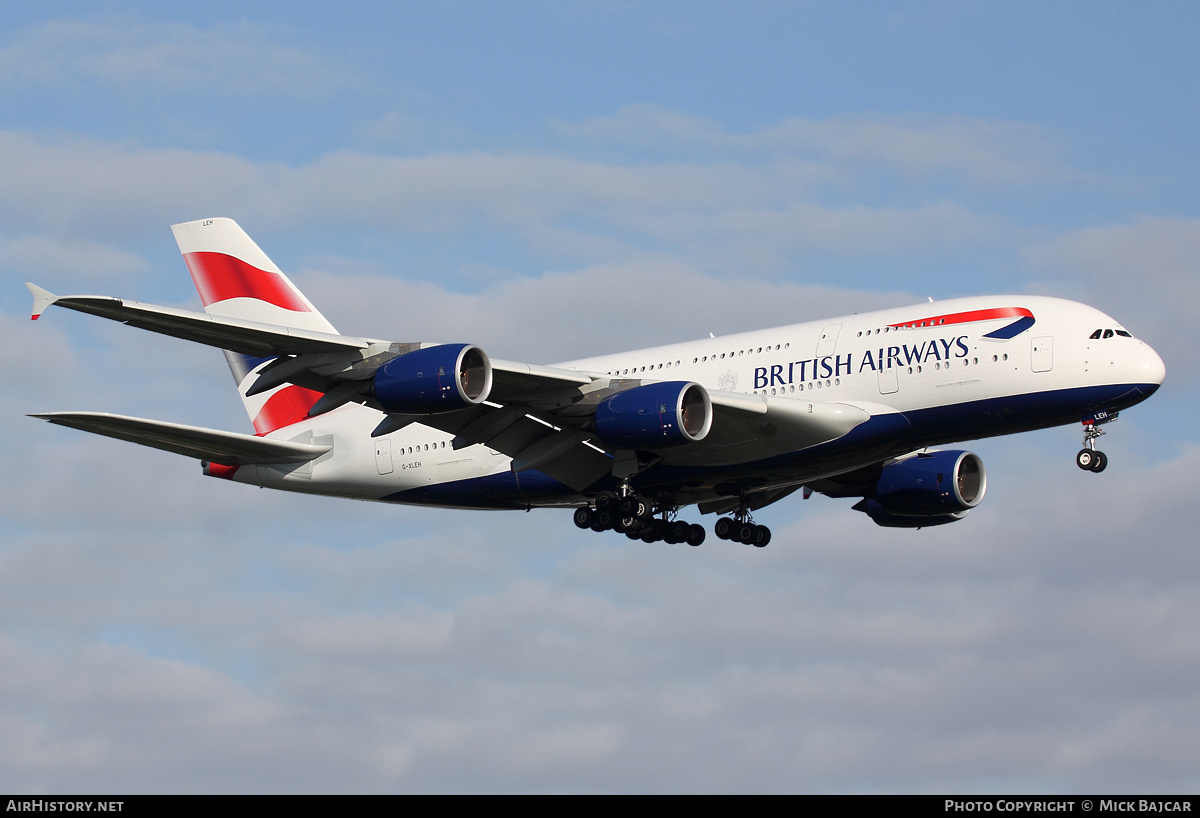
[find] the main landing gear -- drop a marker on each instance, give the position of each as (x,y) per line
(740,528)
(633,516)
(1089,459)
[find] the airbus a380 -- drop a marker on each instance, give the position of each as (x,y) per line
(848,407)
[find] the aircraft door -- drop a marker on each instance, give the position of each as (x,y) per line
(889,379)
(1043,354)
(828,341)
(383,455)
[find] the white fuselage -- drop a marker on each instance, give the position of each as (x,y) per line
(949,369)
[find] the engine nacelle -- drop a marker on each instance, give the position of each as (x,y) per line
(931,484)
(655,415)
(435,379)
(876,512)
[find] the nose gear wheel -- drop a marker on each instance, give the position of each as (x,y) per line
(1089,457)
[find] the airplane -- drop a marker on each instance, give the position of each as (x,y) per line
(847,407)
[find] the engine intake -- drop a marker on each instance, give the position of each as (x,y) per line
(435,379)
(655,415)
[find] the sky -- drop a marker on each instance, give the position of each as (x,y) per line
(557,180)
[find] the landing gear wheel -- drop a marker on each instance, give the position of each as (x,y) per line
(583,517)
(607,501)
(746,533)
(679,531)
(1086,459)
(762,536)
(724,528)
(633,506)
(695,534)
(1101,460)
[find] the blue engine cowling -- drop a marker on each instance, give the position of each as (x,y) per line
(875,511)
(931,488)
(654,415)
(435,379)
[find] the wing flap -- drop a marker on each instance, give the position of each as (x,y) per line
(226,448)
(750,427)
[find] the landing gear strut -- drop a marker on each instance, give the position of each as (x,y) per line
(1089,458)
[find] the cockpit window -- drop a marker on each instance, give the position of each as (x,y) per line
(1123,333)
(1108,333)
(1096,334)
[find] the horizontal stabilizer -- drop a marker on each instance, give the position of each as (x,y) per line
(213,445)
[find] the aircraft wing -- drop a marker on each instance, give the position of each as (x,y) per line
(561,444)
(514,381)
(317,354)
(247,337)
(226,448)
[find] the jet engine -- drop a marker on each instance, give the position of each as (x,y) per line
(932,488)
(435,379)
(654,415)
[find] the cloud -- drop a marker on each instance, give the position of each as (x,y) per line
(132,57)
(39,254)
(1025,647)
(725,213)
(982,151)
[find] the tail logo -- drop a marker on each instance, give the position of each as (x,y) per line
(219,277)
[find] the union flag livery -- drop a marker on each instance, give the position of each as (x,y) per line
(849,407)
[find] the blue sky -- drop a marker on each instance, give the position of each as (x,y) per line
(558,180)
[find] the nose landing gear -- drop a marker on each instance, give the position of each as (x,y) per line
(1089,458)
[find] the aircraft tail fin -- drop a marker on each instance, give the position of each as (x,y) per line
(236,279)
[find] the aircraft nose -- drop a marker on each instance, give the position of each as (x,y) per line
(1151,366)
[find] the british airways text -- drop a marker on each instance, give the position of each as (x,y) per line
(834,366)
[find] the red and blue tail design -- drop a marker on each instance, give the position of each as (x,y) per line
(235,279)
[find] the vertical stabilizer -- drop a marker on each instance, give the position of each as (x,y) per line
(235,279)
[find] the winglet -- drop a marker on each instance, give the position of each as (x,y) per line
(41,299)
